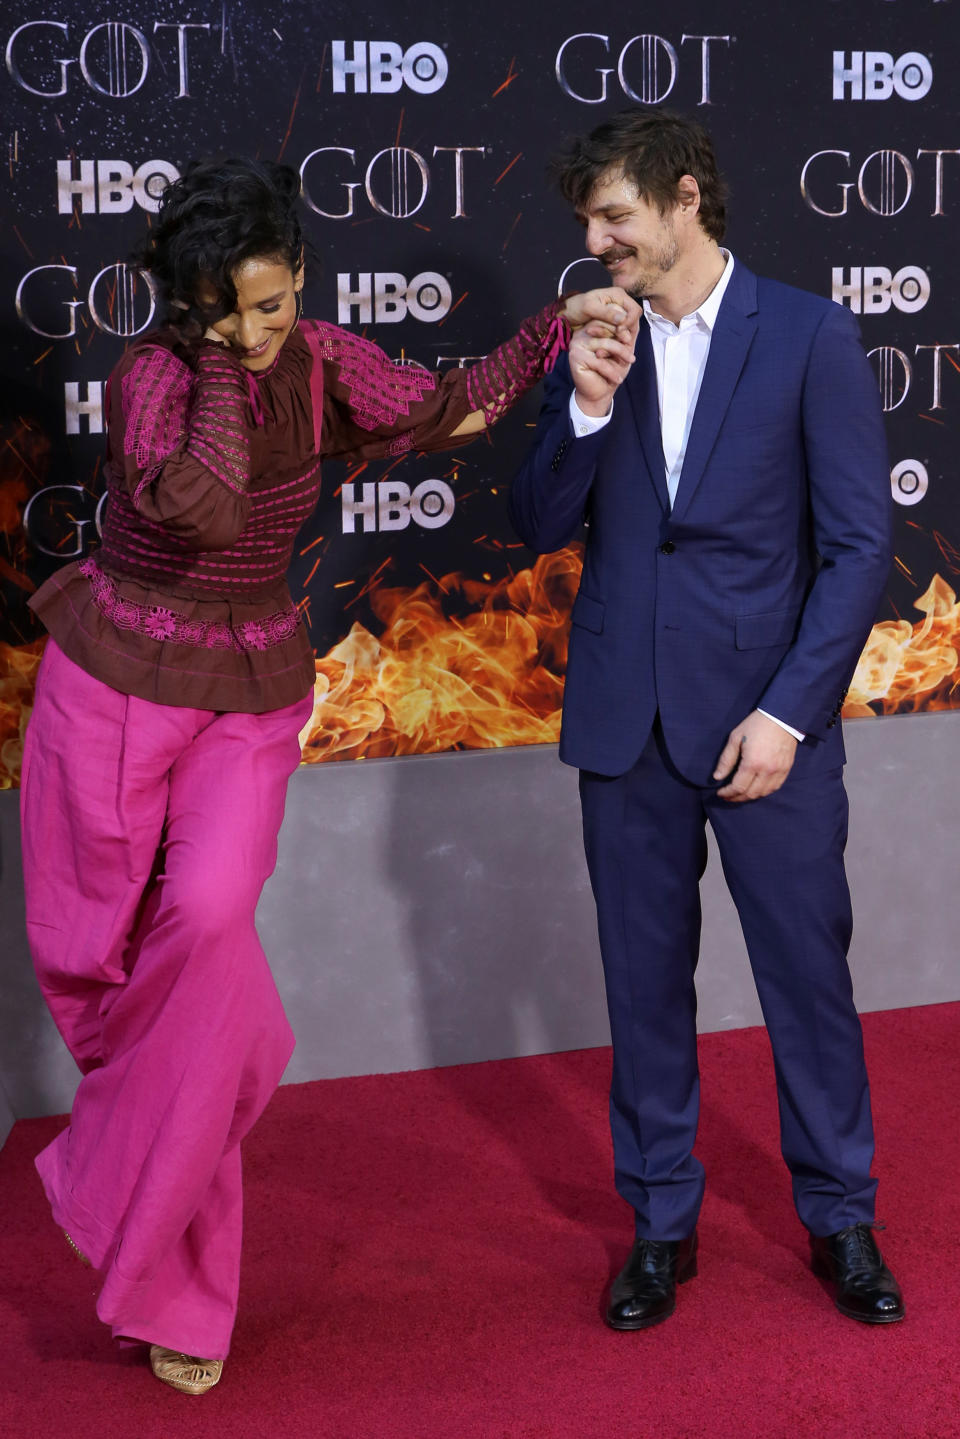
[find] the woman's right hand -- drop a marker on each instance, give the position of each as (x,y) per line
(609,306)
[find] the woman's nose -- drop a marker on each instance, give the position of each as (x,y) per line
(248,332)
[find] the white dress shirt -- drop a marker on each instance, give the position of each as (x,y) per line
(680,357)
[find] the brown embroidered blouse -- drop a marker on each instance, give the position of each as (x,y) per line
(211,469)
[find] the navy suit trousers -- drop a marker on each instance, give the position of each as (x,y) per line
(645,837)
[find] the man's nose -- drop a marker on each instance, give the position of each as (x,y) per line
(597,241)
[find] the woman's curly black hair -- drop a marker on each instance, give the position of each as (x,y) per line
(217,215)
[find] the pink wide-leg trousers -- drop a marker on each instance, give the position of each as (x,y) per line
(148,834)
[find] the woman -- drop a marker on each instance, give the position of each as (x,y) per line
(170,698)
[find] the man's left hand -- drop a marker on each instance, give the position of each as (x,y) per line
(756,759)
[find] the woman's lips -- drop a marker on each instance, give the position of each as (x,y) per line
(249,354)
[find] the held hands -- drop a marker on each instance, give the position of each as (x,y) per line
(756,759)
(605,324)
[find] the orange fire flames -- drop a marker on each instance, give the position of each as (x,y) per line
(18,674)
(473,665)
(436,681)
(907,667)
(495,678)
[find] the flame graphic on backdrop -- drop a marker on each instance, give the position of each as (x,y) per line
(432,682)
(436,680)
(906,667)
(18,675)
(492,674)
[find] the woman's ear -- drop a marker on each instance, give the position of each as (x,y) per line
(298,275)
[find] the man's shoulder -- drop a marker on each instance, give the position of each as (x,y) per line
(773,296)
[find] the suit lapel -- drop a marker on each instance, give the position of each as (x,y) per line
(641,387)
(729,345)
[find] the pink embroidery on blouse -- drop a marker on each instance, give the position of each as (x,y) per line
(379,391)
(218,421)
(497,382)
(155,393)
(159,623)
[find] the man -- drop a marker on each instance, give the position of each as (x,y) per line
(738,507)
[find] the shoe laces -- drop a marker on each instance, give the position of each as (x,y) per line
(858,1246)
(653,1261)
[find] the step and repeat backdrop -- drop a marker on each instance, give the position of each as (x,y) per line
(422,136)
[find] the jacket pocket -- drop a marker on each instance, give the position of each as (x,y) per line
(588,613)
(777,627)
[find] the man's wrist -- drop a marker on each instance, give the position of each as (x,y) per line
(798,735)
(588,421)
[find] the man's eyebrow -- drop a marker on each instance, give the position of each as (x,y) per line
(607,209)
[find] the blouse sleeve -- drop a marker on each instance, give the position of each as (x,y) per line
(373,408)
(180,439)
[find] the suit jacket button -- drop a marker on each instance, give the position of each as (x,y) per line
(668,547)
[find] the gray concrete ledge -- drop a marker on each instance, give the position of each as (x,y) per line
(436,910)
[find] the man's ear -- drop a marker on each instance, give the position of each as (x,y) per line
(688,196)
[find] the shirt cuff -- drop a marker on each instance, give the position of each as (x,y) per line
(797,734)
(587,424)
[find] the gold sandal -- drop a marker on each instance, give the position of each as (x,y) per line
(76,1249)
(183,1371)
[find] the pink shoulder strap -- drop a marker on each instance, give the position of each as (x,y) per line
(311,333)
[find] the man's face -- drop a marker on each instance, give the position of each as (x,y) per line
(635,243)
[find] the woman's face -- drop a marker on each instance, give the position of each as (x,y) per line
(266,311)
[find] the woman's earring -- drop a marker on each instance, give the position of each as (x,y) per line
(299,311)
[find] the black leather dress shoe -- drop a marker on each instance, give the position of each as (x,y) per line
(865,1288)
(645,1290)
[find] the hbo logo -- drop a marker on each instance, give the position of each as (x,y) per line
(384,68)
(388,298)
(909,482)
(875,75)
(114,184)
(390,505)
(872,289)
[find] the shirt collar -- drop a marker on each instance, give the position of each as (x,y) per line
(707,311)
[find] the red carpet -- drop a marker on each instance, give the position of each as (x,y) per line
(425,1254)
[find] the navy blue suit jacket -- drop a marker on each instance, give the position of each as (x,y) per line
(759,588)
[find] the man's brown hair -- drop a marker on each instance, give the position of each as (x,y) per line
(653,148)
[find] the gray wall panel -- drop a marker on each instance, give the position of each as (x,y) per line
(6,1116)
(436,910)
